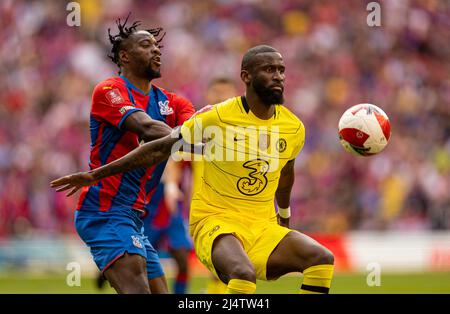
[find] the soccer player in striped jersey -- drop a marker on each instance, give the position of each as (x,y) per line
(127,110)
(237,233)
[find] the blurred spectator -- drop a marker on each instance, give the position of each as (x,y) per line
(334,60)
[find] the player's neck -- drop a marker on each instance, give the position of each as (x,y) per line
(258,108)
(143,84)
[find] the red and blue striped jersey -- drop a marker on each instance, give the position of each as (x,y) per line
(113,100)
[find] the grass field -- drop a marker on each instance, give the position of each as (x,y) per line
(342,283)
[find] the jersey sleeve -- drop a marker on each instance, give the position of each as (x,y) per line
(111,104)
(300,142)
(192,129)
(183,109)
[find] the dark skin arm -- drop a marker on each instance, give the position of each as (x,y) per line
(158,149)
(283,193)
(145,127)
(145,155)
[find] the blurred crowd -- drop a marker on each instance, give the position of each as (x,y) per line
(333,58)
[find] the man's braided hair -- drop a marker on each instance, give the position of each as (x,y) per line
(124,33)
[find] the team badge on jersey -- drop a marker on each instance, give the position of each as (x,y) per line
(281,145)
(136,242)
(114,96)
(164,108)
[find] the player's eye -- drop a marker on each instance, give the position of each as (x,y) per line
(269,69)
(145,44)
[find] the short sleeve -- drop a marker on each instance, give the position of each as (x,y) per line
(300,136)
(111,103)
(192,129)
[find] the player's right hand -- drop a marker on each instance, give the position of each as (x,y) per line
(73,181)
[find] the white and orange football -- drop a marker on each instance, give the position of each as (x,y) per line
(364,130)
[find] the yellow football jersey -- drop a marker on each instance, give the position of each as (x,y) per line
(197,174)
(243,158)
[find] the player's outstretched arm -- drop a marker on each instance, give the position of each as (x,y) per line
(283,193)
(146,155)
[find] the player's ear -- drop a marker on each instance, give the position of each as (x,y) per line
(246,77)
(123,57)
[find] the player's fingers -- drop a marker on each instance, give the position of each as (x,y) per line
(57,182)
(60,181)
(64,188)
(73,191)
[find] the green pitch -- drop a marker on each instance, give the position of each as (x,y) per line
(342,283)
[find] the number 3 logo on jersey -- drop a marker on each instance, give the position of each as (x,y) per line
(256,181)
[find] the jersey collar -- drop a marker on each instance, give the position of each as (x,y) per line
(131,86)
(247,107)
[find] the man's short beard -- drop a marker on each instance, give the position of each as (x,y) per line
(267,96)
(152,74)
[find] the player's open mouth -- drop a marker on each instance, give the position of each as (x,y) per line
(156,61)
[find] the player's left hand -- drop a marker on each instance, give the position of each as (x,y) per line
(284,222)
(73,181)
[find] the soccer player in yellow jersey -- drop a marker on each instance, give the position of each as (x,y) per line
(219,89)
(251,143)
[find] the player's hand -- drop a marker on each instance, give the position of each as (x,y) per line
(172,195)
(73,181)
(284,222)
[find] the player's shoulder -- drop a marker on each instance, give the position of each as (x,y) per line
(228,104)
(215,109)
(289,120)
(109,84)
(228,108)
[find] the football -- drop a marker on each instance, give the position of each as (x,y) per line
(364,130)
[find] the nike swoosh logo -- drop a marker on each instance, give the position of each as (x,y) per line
(239,139)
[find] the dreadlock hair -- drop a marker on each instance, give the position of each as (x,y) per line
(124,33)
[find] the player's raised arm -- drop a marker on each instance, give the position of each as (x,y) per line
(146,155)
(283,193)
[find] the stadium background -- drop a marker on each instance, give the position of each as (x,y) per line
(392,209)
